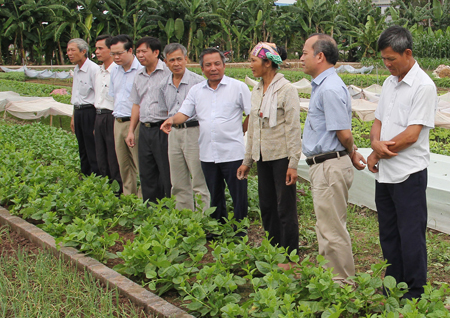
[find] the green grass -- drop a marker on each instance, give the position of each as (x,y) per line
(38,285)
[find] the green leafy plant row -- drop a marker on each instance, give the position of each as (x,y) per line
(231,277)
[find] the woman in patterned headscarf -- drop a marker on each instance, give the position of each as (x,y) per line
(274,142)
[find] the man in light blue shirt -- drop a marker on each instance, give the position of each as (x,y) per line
(219,103)
(122,78)
(328,145)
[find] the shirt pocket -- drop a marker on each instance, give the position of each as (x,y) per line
(228,110)
(401,114)
(84,88)
(128,86)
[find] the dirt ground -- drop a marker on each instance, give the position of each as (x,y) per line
(11,242)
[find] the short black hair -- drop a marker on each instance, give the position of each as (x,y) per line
(151,43)
(105,37)
(122,38)
(211,50)
(327,45)
(396,37)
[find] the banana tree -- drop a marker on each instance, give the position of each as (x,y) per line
(367,36)
(196,11)
(179,29)
(241,37)
(227,11)
(169,28)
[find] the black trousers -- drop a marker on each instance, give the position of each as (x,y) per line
(153,163)
(216,174)
(105,148)
(278,203)
(84,120)
(402,216)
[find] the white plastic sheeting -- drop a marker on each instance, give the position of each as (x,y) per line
(32,107)
(302,86)
(365,101)
(352,70)
(46,74)
(38,74)
(7,70)
(362,192)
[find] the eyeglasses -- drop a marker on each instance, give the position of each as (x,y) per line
(117,53)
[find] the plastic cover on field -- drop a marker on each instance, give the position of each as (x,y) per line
(38,74)
(46,74)
(350,69)
(32,107)
(362,192)
(7,70)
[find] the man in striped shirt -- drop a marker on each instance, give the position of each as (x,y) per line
(183,140)
(152,148)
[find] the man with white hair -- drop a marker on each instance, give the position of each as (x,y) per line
(83,99)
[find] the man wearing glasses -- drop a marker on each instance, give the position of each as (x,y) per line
(122,78)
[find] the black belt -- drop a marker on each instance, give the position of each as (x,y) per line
(123,119)
(83,106)
(321,158)
(192,123)
(151,125)
(101,111)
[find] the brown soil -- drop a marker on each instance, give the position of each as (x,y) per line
(51,81)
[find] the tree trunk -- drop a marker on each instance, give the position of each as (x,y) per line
(13,61)
(231,46)
(22,50)
(1,59)
(32,56)
(61,55)
(189,40)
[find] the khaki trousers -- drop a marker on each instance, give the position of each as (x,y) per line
(330,182)
(185,164)
(127,157)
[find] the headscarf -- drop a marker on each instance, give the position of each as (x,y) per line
(266,50)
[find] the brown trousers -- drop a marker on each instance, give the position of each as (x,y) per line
(330,182)
(127,157)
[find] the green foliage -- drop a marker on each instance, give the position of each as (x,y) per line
(39,179)
(432,44)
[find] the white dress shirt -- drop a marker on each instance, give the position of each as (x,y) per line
(219,114)
(102,80)
(84,83)
(412,101)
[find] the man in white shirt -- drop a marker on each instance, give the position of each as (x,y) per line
(400,157)
(83,98)
(186,173)
(122,78)
(104,121)
(219,103)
